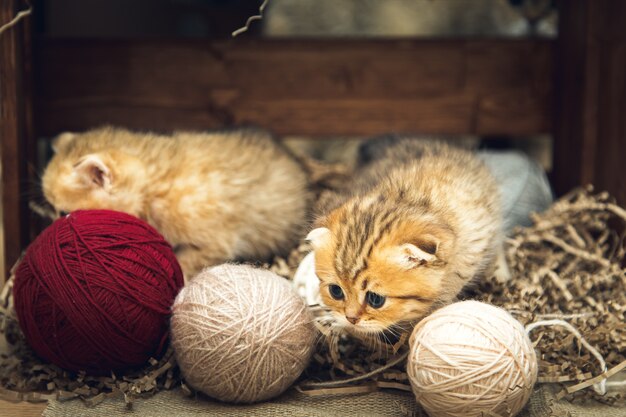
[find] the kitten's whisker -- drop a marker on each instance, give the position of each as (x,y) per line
(386,338)
(393,332)
(397,330)
(403,328)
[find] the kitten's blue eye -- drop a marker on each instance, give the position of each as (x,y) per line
(335,291)
(375,300)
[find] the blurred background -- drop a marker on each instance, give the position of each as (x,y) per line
(294,19)
(301,18)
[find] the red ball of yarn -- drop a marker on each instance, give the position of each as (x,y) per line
(94,291)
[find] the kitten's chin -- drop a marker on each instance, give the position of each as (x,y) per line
(365,328)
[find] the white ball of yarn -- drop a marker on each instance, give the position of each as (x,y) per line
(241,334)
(471,358)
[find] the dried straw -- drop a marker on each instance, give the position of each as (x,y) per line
(21,15)
(569,266)
(251,19)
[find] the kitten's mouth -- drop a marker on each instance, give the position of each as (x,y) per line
(360,327)
(383,335)
(387,334)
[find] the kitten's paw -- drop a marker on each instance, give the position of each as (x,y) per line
(502,272)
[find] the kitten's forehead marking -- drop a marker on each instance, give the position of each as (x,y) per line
(364,284)
(359,235)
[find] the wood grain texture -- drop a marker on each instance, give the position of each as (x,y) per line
(590,125)
(12,140)
(22,409)
(611,154)
(576,101)
(308,87)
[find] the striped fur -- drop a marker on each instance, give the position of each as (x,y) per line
(215,196)
(416,226)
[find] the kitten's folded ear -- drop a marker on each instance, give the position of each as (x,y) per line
(318,237)
(61,142)
(410,256)
(429,250)
(94,172)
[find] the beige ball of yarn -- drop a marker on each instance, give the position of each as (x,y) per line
(471,358)
(241,334)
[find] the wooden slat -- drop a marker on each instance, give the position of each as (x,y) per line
(609,18)
(590,129)
(312,87)
(12,140)
(574,151)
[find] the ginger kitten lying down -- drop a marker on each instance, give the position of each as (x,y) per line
(414,228)
(215,196)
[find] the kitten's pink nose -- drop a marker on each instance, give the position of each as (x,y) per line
(352,320)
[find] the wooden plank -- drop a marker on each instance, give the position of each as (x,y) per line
(590,128)
(609,18)
(575,101)
(12,137)
(307,87)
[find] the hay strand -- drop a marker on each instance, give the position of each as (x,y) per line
(251,19)
(21,15)
(550,282)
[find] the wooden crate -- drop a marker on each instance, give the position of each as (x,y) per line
(574,88)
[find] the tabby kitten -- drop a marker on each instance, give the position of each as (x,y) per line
(418,224)
(215,197)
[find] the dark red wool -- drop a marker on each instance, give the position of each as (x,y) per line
(94,291)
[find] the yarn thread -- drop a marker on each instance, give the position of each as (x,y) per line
(599,387)
(94,290)
(241,334)
(471,358)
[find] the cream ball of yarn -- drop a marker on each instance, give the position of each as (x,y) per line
(471,358)
(241,334)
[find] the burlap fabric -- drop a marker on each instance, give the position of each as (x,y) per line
(294,404)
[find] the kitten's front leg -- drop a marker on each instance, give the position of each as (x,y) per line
(502,272)
(193,259)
